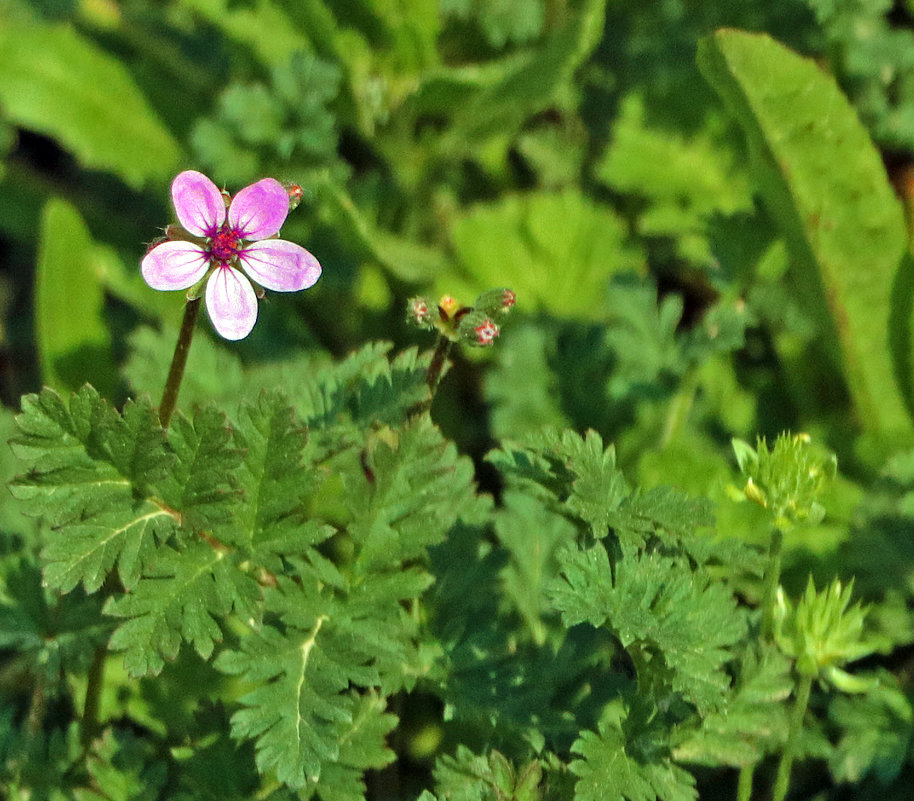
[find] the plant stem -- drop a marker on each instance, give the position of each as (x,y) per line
(178,362)
(769,599)
(744,788)
(679,408)
(88,727)
(435,368)
(433,376)
(772,580)
(782,780)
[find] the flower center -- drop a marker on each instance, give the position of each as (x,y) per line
(224,245)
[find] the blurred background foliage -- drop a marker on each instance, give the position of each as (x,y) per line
(570,149)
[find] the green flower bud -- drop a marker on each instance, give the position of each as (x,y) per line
(823,632)
(786,479)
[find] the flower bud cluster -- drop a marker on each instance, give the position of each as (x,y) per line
(787,479)
(478,324)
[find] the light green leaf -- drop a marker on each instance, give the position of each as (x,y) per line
(556,251)
(58,83)
(74,344)
(826,185)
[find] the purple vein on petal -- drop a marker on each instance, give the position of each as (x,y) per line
(198,203)
(279,265)
(174,265)
(231,303)
(259,210)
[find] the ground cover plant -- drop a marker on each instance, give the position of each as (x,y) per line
(440,400)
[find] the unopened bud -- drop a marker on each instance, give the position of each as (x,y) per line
(486,332)
(419,312)
(296,193)
(496,302)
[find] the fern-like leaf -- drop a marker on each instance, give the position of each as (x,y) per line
(90,472)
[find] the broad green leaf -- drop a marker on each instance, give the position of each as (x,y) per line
(405,259)
(58,83)
(826,185)
(556,251)
(74,344)
(263,27)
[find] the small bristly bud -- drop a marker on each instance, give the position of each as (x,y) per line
(477,328)
(296,193)
(496,302)
(486,332)
(419,312)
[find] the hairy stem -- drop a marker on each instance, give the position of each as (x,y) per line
(435,369)
(782,780)
(772,580)
(178,362)
(433,376)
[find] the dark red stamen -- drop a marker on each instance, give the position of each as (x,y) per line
(224,245)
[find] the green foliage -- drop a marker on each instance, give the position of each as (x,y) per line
(84,97)
(90,470)
(826,185)
(556,251)
(316,583)
(609,768)
(72,347)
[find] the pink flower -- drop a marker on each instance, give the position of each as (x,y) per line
(241,236)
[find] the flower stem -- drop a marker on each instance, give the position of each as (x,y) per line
(769,599)
(433,376)
(772,580)
(782,780)
(435,368)
(178,362)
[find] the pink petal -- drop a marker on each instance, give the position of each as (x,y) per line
(280,265)
(198,203)
(174,265)
(259,210)
(231,303)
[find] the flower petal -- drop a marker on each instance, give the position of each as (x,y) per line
(280,265)
(231,303)
(259,210)
(198,203)
(174,265)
